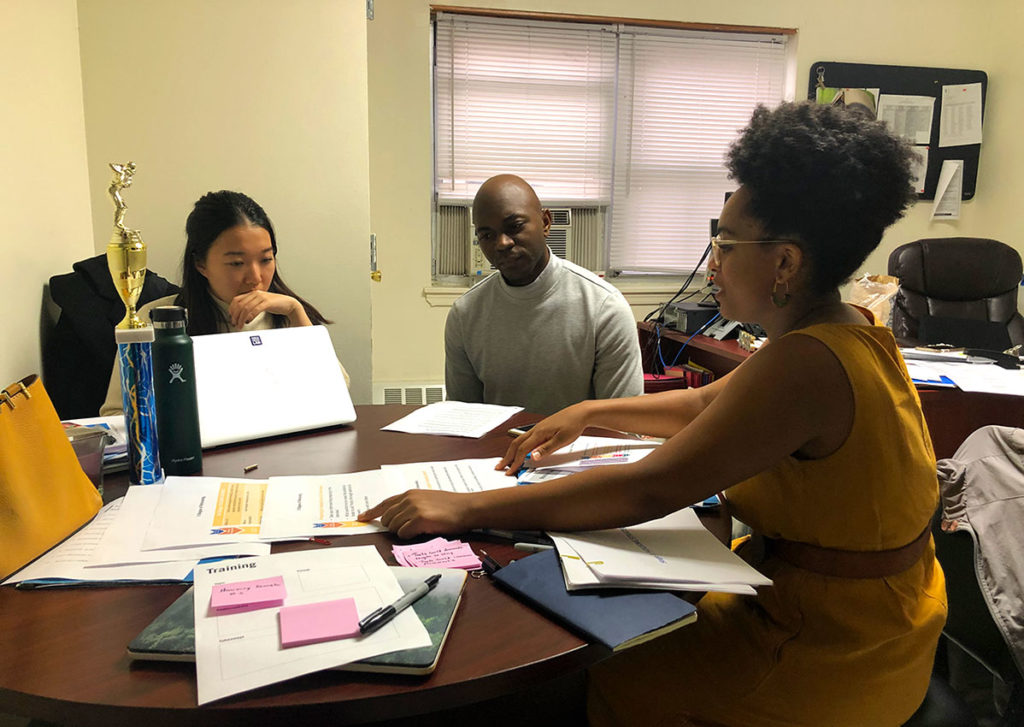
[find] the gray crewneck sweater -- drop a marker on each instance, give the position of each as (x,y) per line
(565,337)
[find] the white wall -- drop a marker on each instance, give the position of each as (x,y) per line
(944,33)
(271,98)
(267,98)
(44,193)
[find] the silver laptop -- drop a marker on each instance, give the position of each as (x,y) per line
(255,384)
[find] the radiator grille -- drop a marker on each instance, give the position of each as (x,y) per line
(402,393)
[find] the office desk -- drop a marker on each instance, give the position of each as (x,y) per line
(951,414)
(62,652)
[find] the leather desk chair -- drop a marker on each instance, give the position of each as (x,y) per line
(955,278)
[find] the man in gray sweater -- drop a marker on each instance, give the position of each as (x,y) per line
(543,333)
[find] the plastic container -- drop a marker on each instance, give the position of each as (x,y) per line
(89,444)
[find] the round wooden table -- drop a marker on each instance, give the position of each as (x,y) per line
(63,650)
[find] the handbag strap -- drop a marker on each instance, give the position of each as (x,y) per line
(17,388)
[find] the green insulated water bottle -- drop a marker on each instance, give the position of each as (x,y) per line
(174,382)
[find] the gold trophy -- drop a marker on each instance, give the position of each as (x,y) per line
(126,252)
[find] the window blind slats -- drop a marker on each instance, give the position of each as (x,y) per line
(640,117)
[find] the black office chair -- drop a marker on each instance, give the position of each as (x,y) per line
(947,282)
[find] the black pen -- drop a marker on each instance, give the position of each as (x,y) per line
(489,563)
(385,613)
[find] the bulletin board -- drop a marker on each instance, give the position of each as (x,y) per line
(912,81)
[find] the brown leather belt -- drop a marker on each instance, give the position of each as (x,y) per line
(848,563)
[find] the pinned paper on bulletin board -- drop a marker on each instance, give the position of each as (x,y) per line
(947,195)
(937,110)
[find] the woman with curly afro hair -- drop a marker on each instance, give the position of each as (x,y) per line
(817,441)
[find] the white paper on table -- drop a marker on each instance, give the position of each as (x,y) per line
(121,544)
(579,577)
(461,475)
(983,378)
(949,190)
(206,510)
(242,651)
(909,117)
(919,168)
(925,373)
(586,452)
(454,418)
(318,505)
(70,559)
(960,115)
(675,549)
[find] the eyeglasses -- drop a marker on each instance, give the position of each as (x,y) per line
(717,243)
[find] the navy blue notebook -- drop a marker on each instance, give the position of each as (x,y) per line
(616,618)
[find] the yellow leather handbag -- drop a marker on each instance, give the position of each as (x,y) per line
(44,493)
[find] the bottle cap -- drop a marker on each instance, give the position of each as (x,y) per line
(168,316)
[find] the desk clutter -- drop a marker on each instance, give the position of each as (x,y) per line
(971,370)
(259,618)
(171,636)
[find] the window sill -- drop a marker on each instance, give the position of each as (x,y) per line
(637,293)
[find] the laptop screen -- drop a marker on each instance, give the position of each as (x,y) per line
(255,384)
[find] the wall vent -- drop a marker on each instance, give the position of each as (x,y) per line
(408,393)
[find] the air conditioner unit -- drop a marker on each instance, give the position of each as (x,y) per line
(560,235)
(559,240)
(575,235)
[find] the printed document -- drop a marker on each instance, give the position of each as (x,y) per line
(960,115)
(454,418)
(949,191)
(71,560)
(463,475)
(675,552)
(206,510)
(121,544)
(584,453)
(320,505)
(907,116)
(241,651)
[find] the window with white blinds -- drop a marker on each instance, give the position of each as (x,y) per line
(527,98)
(632,119)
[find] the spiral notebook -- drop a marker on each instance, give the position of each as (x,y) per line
(255,384)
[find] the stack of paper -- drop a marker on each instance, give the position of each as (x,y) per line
(675,552)
(242,651)
(583,454)
(110,549)
(437,553)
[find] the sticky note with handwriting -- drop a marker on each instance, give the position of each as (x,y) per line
(243,596)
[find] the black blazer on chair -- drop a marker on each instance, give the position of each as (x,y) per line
(78,353)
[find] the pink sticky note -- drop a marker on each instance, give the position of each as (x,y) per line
(311,623)
(248,595)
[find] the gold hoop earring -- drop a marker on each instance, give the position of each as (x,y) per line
(780,301)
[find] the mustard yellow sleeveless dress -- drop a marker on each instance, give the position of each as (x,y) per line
(811,650)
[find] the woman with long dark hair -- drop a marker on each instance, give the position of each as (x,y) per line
(230,279)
